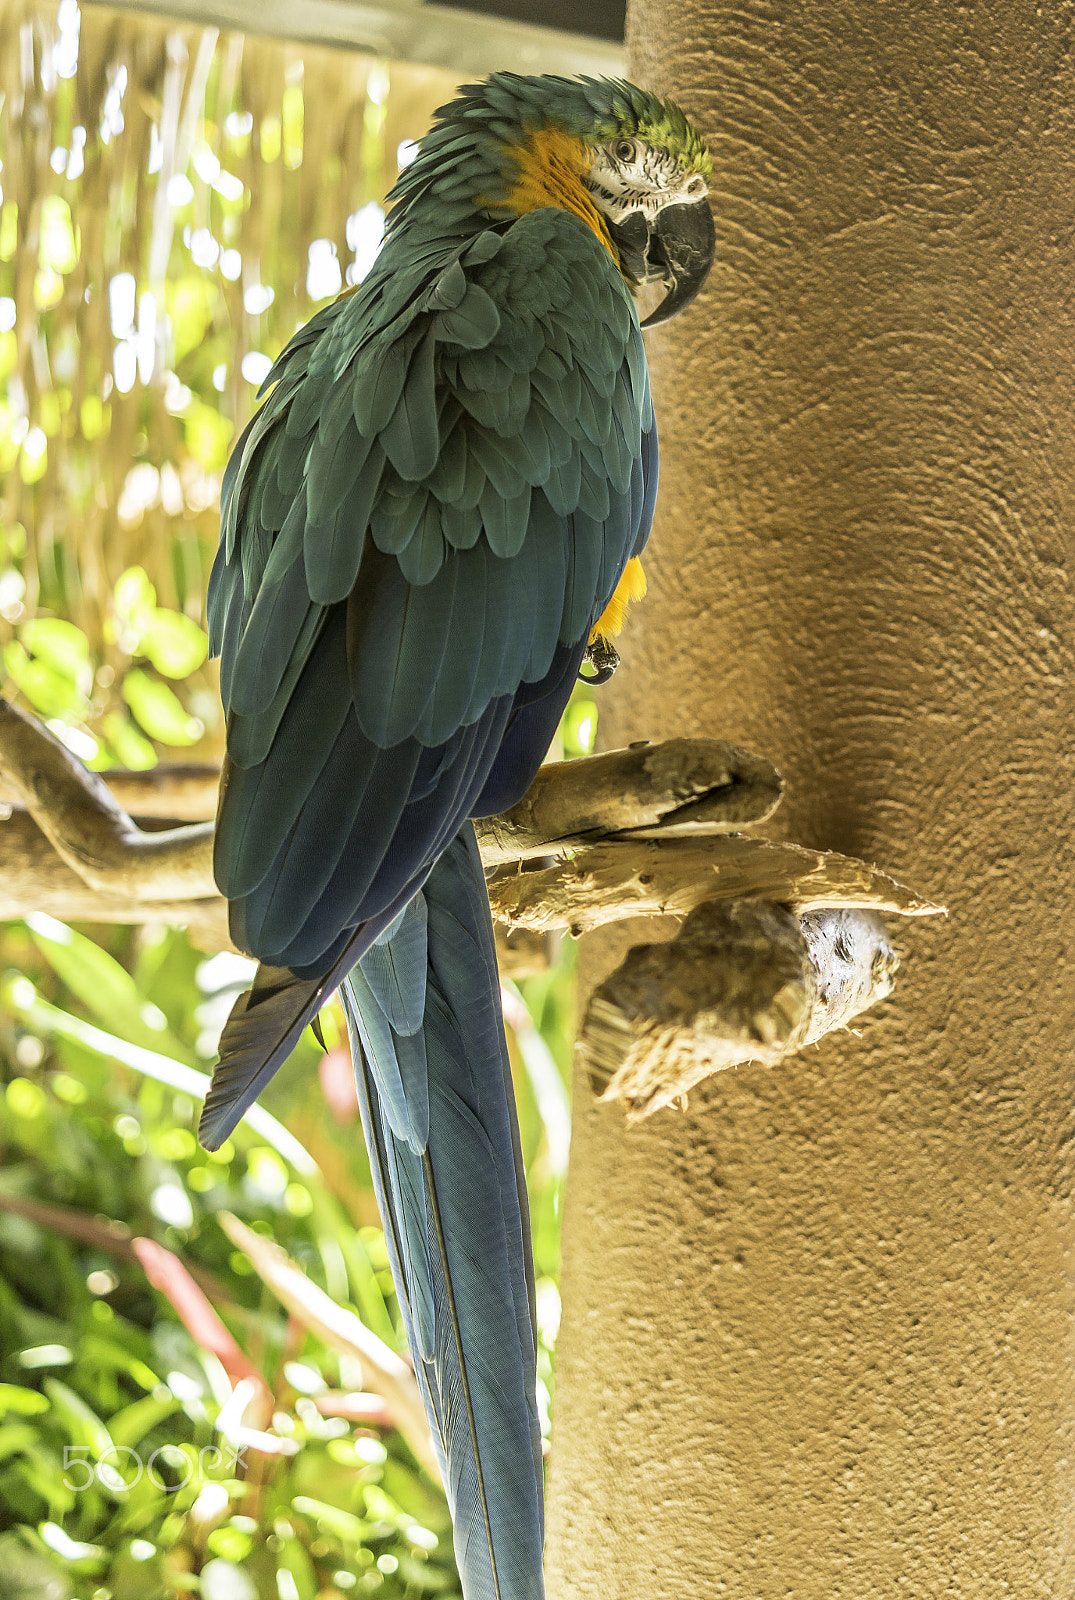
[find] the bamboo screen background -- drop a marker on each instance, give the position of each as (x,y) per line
(176,201)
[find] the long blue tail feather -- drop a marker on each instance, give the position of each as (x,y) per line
(460,1251)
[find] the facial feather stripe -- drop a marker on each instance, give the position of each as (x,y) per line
(629,175)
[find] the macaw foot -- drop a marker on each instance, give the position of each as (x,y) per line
(603,657)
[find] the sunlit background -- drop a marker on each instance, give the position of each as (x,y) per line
(175,203)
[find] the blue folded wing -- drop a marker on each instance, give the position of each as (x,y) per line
(419,529)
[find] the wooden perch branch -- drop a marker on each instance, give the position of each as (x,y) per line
(652,830)
(177,791)
(681,787)
(34,878)
(743,980)
(604,883)
(88,828)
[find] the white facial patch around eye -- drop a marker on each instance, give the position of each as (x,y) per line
(628,175)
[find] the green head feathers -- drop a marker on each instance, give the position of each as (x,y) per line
(471,156)
(596,110)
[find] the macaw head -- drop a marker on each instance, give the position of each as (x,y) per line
(628,163)
(650,182)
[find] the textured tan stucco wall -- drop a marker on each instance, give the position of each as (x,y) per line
(818,1332)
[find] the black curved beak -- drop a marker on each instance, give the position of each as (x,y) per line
(680,253)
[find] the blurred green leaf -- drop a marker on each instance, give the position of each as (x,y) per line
(26,1402)
(208,435)
(93,417)
(50,1019)
(105,988)
(175,645)
(348,1528)
(160,713)
(420,1575)
(29,1574)
(578,727)
(294,1559)
(33,460)
(9,229)
(54,403)
(59,643)
(17,1436)
(130,1426)
(231,1542)
(292,121)
(132,749)
(190,306)
(83,1425)
(53,693)
(117,1355)
(58,247)
(135,600)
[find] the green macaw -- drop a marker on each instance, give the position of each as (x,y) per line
(430,524)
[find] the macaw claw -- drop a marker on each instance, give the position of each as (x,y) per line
(603,657)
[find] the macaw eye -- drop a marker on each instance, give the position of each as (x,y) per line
(624,149)
(696,188)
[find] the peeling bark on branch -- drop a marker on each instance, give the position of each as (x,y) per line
(614,880)
(678,787)
(743,980)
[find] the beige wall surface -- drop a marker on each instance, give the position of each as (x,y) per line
(817,1335)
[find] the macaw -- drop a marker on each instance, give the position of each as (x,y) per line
(430,525)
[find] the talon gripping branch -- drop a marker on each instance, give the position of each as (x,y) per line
(432,521)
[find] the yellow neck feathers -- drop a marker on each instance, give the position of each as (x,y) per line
(551,170)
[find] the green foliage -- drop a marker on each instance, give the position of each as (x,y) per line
(172,642)
(123,1467)
(123,1472)
(114,1471)
(52,663)
(155,255)
(158,710)
(115,1475)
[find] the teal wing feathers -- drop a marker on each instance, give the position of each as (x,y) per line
(430,510)
(439,412)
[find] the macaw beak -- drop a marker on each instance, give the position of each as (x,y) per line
(680,253)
